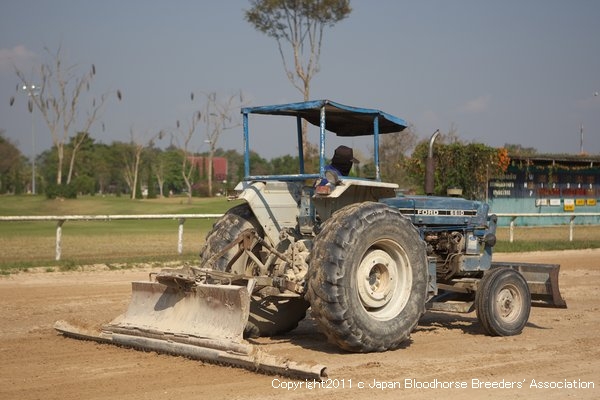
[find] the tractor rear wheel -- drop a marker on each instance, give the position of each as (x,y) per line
(368,278)
(503,302)
(268,317)
(274,316)
(236,220)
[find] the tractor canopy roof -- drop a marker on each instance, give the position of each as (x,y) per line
(340,119)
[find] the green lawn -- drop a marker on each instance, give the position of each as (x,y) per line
(32,244)
(94,205)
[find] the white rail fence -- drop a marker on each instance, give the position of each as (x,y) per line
(571,216)
(60,220)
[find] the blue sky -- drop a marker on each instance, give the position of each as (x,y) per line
(512,71)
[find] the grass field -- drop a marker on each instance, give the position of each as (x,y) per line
(121,244)
(118,243)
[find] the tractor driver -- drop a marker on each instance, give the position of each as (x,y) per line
(343,158)
(341,164)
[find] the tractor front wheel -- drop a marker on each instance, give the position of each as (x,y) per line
(503,302)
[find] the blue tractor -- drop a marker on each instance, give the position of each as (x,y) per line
(367,260)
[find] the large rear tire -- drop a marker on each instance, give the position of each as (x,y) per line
(270,316)
(274,316)
(224,231)
(503,302)
(368,278)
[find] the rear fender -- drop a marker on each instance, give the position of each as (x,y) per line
(350,191)
(275,204)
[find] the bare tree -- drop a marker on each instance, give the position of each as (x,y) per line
(393,152)
(183,138)
(159,173)
(133,160)
(299,24)
(78,140)
(132,164)
(57,97)
(218,117)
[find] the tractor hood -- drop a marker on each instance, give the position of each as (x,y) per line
(446,211)
(340,119)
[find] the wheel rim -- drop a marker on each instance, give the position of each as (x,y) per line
(509,304)
(245,264)
(384,280)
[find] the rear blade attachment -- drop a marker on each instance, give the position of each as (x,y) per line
(542,280)
(206,311)
(204,322)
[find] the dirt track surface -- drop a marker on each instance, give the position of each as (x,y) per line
(558,347)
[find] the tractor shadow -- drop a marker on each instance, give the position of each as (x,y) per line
(439,321)
(308,336)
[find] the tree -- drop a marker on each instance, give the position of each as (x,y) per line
(259,165)
(393,155)
(285,165)
(168,170)
(132,156)
(467,166)
(107,169)
(58,98)
(299,24)
(11,165)
(183,138)
(133,165)
(219,116)
(82,170)
(519,150)
(158,169)
(235,165)
(155,168)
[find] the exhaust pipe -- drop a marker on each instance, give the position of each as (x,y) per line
(429,167)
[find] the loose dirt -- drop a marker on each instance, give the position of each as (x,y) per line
(558,348)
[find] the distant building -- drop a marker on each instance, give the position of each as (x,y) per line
(548,184)
(219,171)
